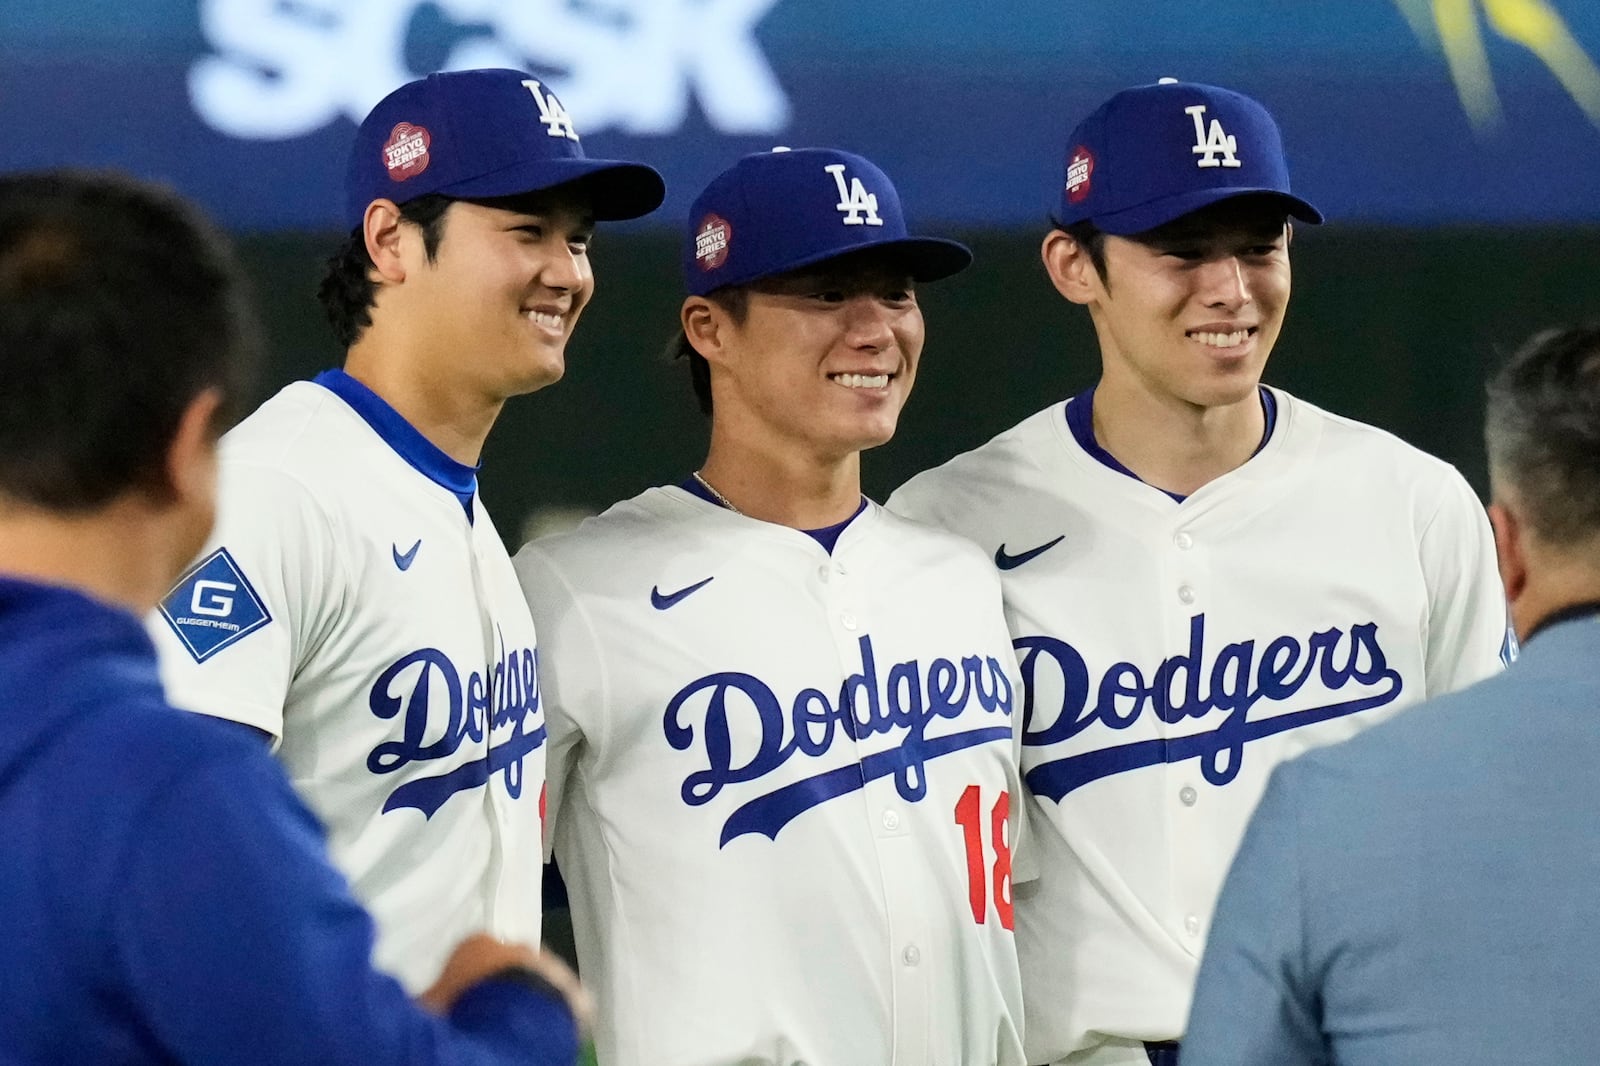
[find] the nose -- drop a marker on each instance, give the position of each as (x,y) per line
(562,271)
(869,324)
(1225,283)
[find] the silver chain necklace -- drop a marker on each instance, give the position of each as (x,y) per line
(719,497)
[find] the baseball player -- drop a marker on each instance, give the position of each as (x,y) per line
(1203,575)
(356,603)
(782,720)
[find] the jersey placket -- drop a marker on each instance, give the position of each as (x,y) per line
(1186,589)
(889,824)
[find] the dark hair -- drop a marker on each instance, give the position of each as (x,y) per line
(735,300)
(347,292)
(119,304)
(1543,432)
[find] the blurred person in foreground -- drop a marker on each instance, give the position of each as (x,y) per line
(1422,893)
(165,897)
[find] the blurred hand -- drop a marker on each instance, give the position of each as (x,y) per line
(481,956)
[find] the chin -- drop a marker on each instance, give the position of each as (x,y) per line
(873,439)
(1225,391)
(534,378)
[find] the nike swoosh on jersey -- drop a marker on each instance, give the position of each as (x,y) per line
(661,601)
(404,560)
(1011,562)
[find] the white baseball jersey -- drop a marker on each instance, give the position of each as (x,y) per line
(347,607)
(782,787)
(1174,653)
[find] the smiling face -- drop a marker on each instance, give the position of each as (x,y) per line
(822,359)
(503,293)
(1189,311)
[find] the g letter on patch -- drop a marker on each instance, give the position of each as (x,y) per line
(213,606)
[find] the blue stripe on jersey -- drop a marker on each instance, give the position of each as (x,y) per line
(827,536)
(1080,420)
(432,463)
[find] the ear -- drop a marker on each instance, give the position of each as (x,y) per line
(191,465)
(704,323)
(1071,270)
(382,230)
(1510,549)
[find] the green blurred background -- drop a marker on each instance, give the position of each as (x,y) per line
(1394,327)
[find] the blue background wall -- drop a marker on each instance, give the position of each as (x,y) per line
(1459,163)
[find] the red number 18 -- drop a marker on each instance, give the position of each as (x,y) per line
(969,816)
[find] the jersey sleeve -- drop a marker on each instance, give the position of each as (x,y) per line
(238,941)
(1468,638)
(1254,1003)
(571,674)
(232,631)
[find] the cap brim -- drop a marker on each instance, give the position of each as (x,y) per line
(1148,216)
(617,190)
(924,258)
(934,258)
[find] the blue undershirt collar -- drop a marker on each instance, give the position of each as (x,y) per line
(827,536)
(1080,419)
(459,479)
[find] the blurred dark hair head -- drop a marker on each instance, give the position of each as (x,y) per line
(119,304)
(1543,433)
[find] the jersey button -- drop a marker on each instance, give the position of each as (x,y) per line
(891,820)
(1191,925)
(1187,795)
(848,620)
(911,956)
(1183,541)
(1185,594)
(822,574)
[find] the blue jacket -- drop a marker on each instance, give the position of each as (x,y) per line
(1427,891)
(165,897)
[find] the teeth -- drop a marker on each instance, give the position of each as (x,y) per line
(862,381)
(545,319)
(1221,340)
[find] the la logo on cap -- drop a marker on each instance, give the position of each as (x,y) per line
(554,117)
(1209,142)
(856,204)
(711,242)
(1080,168)
(405,153)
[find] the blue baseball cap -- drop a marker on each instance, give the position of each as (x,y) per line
(480,134)
(773,212)
(1156,152)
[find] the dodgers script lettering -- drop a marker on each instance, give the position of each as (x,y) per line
(1349,671)
(504,707)
(709,713)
